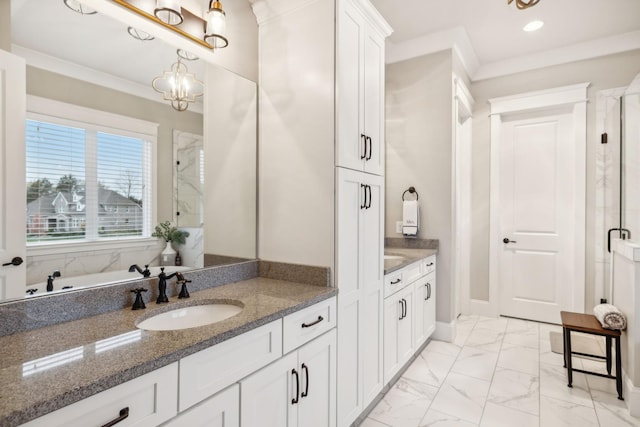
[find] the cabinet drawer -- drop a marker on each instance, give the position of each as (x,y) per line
(393,282)
(207,372)
(397,280)
(150,399)
(429,264)
(304,325)
(411,272)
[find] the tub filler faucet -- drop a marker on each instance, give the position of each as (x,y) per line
(145,272)
(50,280)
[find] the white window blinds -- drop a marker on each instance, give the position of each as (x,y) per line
(86,182)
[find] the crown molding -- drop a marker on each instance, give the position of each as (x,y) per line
(576,52)
(265,10)
(458,40)
(454,38)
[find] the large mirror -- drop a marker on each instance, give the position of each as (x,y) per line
(93,61)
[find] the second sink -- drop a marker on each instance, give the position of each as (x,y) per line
(189,317)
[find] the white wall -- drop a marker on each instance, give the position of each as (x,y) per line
(419,154)
(230,165)
(296,143)
(603,73)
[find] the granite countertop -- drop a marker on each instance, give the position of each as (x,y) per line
(407,256)
(33,386)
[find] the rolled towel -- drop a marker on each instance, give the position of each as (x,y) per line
(610,317)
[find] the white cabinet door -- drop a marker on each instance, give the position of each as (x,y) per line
(405,325)
(420,294)
(350,81)
(12,174)
(221,410)
(267,396)
(373,101)
(350,198)
(359,276)
(297,390)
(371,249)
(430,305)
(398,331)
(317,362)
(360,81)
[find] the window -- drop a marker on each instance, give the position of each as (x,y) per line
(89,174)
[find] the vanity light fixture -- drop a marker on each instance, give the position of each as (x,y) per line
(533,26)
(139,34)
(216,32)
(178,86)
(76,6)
(524,4)
(169,11)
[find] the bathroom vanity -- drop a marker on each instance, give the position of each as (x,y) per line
(97,370)
(409,305)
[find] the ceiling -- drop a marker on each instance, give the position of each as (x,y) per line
(489,36)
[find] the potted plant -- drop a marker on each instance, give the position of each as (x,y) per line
(168,232)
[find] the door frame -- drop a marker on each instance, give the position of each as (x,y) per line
(574,96)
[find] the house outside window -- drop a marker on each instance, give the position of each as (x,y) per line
(89,174)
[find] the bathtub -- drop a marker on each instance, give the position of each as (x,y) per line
(98,279)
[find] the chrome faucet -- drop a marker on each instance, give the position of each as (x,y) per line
(145,272)
(162,285)
(50,280)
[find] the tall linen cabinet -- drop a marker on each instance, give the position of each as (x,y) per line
(321,167)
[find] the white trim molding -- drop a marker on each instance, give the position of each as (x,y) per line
(574,96)
(445,331)
(631,395)
(458,40)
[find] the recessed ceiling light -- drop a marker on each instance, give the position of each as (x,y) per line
(533,26)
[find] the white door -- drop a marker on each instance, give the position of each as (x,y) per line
(537,208)
(12,173)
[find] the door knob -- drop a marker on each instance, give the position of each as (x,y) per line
(506,240)
(15,261)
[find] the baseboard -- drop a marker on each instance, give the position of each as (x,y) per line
(631,395)
(482,308)
(445,331)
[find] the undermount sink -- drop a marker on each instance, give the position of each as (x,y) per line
(189,317)
(392,257)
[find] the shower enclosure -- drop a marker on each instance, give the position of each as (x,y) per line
(617,177)
(620,194)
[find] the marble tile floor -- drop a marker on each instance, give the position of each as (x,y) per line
(499,372)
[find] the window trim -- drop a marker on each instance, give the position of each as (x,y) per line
(39,108)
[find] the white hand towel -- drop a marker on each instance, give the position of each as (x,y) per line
(410,217)
(610,317)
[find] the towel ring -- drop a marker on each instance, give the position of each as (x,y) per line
(411,190)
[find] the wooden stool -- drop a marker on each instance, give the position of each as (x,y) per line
(589,324)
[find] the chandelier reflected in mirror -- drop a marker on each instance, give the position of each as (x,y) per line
(524,4)
(178,86)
